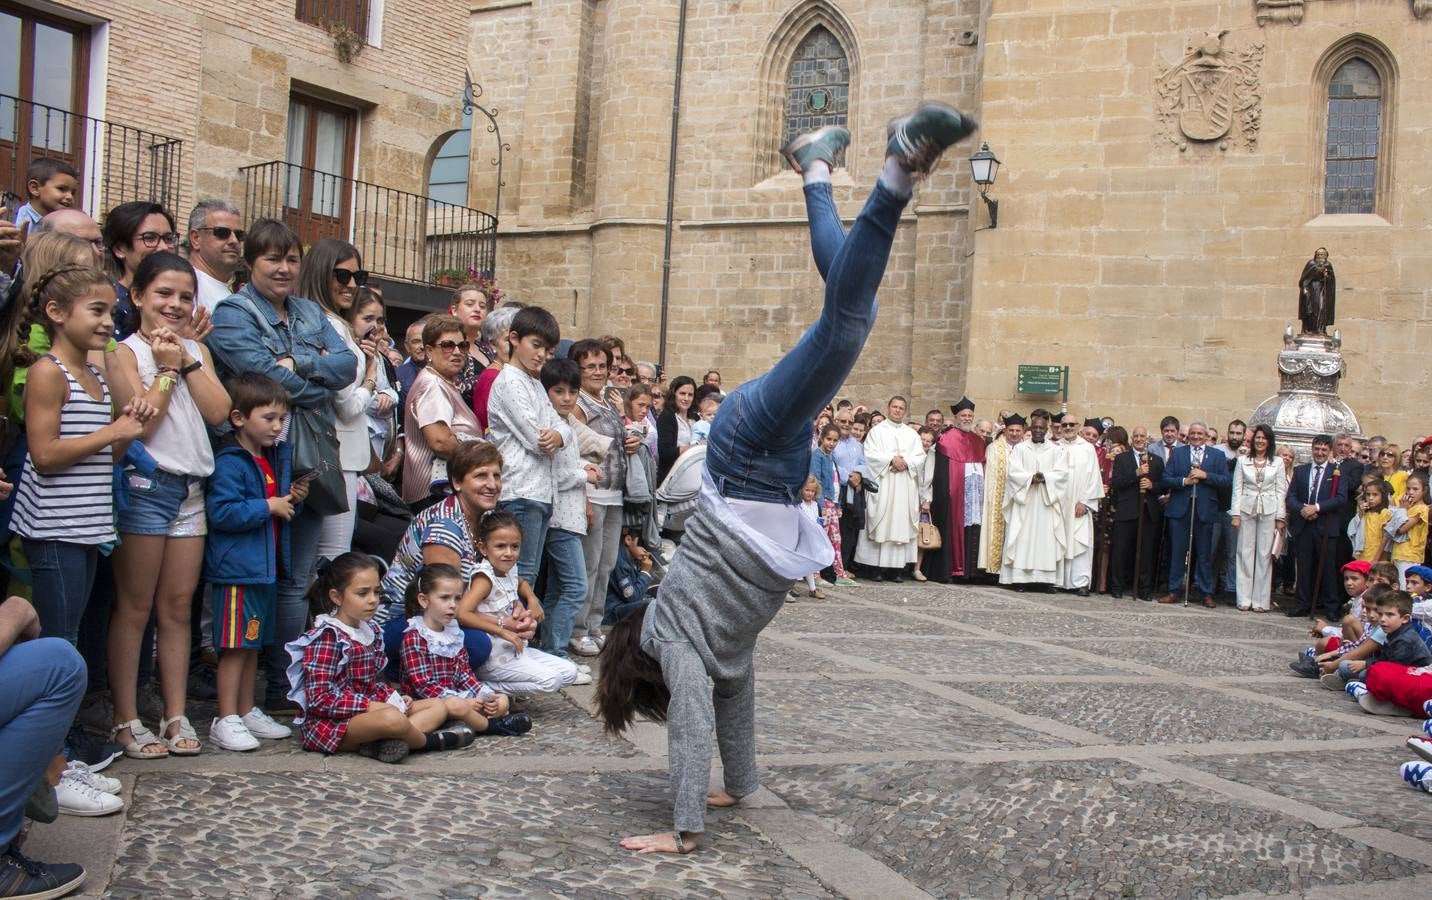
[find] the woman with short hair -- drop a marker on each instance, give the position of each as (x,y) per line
(436,418)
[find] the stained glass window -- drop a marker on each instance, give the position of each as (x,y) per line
(1354,129)
(817,85)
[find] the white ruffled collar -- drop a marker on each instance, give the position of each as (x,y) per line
(363,634)
(447,643)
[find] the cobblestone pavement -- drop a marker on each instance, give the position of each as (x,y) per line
(915,740)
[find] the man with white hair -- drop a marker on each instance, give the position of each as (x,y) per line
(1196,474)
(1082,492)
(216,246)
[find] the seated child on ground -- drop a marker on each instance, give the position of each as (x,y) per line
(1402,643)
(1383,573)
(1419,585)
(435,664)
(496,602)
(1350,630)
(630,579)
(336,676)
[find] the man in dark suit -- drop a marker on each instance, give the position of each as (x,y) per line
(1316,497)
(1351,474)
(1196,474)
(1136,487)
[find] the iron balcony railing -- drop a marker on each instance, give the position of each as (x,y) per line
(116,162)
(330,14)
(401,235)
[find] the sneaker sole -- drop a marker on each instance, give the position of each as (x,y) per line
(388,751)
(59,890)
(88,814)
(805,140)
(222,746)
(1419,748)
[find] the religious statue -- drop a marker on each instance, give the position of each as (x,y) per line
(1317,294)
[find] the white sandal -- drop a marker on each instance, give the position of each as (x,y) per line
(139,738)
(186,733)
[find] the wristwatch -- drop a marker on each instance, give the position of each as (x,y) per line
(193,367)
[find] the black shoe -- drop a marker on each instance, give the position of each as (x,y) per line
(203,683)
(895,578)
(1297,613)
(511,725)
(1305,667)
(281,706)
(93,752)
(391,750)
(1117,595)
(454,735)
(21,876)
(1081,592)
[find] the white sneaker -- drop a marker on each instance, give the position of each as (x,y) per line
(583,677)
(231,734)
(601,642)
(83,773)
(584,646)
(77,797)
(584,669)
(261,725)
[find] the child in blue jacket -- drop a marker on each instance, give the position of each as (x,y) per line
(250,501)
(630,579)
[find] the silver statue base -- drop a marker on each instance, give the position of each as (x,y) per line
(1307,403)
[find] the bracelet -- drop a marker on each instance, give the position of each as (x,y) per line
(165,382)
(193,367)
(370,384)
(166,370)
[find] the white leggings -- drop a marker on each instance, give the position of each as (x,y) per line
(1402,568)
(531,672)
(336,536)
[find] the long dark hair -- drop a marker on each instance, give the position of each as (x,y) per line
(336,576)
(315,274)
(630,682)
(1272,442)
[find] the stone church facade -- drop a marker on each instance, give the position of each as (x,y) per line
(1168,167)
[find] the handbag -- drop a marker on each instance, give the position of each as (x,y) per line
(313,440)
(927,537)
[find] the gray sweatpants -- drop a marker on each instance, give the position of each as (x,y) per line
(729,709)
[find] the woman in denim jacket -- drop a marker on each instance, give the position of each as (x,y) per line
(264,328)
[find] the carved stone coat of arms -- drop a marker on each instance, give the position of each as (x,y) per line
(1212,95)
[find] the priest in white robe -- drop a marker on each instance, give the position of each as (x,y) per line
(1034,536)
(991,555)
(894,456)
(1083,490)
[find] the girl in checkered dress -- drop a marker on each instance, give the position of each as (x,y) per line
(435,664)
(336,676)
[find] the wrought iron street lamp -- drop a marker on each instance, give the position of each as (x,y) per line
(984,165)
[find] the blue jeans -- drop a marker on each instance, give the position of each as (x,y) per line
(292,618)
(566,589)
(1347,674)
(477,642)
(63,576)
(759,447)
(533,516)
(44,680)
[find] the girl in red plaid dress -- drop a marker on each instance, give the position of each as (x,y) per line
(435,664)
(336,674)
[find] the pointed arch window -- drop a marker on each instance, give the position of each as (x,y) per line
(1355,110)
(817,85)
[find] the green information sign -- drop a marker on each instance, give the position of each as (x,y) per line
(1042,379)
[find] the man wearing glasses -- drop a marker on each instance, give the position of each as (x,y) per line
(216,245)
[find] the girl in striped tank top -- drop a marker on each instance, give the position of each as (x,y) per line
(64,508)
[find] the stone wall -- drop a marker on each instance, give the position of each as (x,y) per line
(218,76)
(585,102)
(1164,275)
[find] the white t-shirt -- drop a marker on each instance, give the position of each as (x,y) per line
(211,289)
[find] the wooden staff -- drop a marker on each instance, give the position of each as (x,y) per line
(1138,533)
(1188,554)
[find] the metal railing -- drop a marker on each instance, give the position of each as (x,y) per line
(351,14)
(116,162)
(401,235)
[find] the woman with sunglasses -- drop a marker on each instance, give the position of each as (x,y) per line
(331,274)
(470,306)
(1389,465)
(436,417)
(132,231)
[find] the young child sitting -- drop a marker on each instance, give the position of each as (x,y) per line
(1399,643)
(51,184)
(1331,641)
(1419,584)
(249,503)
(630,579)
(435,664)
(336,676)
(1383,573)
(495,601)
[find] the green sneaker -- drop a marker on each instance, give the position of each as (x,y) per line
(823,144)
(929,131)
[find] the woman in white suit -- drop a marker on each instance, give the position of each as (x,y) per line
(1260,485)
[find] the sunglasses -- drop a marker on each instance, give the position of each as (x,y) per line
(450,346)
(344,276)
(625,370)
(223,232)
(152,239)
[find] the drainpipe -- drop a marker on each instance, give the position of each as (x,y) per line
(671,185)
